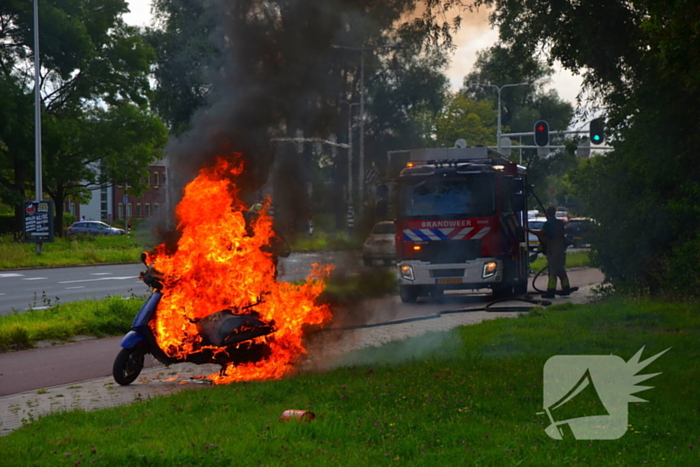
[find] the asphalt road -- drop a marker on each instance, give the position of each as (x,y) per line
(38,289)
(50,366)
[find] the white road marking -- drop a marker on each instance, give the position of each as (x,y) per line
(101,279)
(34,278)
(76,287)
(38,308)
(11,274)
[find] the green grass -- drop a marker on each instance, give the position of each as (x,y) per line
(325,241)
(576,259)
(109,317)
(466,397)
(69,251)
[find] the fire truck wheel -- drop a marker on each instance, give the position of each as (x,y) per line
(127,366)
(408,293)
(521,287)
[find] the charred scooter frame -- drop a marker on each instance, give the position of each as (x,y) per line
(226,337)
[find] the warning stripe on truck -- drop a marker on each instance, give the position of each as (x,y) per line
(427,235)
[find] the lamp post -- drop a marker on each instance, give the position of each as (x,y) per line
(499,89)
(37,114)
(350,106)
(361,175)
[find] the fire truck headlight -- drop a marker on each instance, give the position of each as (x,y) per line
(407,272)
(489,269)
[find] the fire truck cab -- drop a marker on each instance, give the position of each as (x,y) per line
(460,215)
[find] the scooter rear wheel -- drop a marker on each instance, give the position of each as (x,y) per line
(128,366)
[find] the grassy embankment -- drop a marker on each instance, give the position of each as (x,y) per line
(465,397)
(69,251)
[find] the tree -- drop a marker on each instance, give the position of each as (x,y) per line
(94,73)
(99,147)
(266,70)
(521,106)
(638,60)
(465,118)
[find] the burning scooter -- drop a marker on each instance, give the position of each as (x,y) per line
(223,338)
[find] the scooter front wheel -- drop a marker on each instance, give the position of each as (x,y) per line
(127,366)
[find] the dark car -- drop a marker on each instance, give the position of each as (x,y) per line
(93,228)
(578,229)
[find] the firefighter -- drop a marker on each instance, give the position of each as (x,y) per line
(553,236)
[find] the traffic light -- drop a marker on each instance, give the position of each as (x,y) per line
(597,131)
(542,133)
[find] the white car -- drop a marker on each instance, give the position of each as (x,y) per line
(381,244)
(534,224)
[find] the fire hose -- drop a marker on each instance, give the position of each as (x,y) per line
(489,307)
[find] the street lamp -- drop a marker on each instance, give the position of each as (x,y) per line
(361,175)
(350,106)
(37,115)
(499,89)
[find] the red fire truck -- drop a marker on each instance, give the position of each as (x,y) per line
(460,215)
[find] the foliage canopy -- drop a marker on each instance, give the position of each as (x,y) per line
(96,125)
(638,59)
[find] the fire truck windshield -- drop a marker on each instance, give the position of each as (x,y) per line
(466,196)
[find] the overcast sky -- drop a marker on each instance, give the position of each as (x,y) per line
(475,35)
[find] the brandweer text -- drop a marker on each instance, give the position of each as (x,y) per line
(438,224)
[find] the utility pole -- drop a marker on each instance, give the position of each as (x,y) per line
(38,182)
(361,175)
(350,106)
(499,89)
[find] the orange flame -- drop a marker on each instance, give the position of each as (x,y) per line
(219,266)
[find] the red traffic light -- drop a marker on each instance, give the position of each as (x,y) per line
(542,133)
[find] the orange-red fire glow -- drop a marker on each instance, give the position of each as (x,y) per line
(218,266)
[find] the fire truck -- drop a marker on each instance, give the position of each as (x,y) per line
(460,214)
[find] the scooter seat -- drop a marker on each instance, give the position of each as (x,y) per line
(225,328)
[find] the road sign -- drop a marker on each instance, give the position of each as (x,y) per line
(125,200)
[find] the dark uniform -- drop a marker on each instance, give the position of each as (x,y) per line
(553,237)
(554,234)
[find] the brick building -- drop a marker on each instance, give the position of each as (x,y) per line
(110,203)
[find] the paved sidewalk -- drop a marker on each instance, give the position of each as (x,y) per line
(17,409)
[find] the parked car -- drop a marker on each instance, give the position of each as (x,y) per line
(535,224)
(93,228)
(577,230)
(381,244)
(562,216)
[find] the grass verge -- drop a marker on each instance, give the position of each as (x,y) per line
(324,241)
(69,252)
(109,317)
(465,397)
(576,259)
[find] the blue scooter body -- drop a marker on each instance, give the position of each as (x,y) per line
(139,328)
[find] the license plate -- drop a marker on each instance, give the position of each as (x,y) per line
(449,280)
